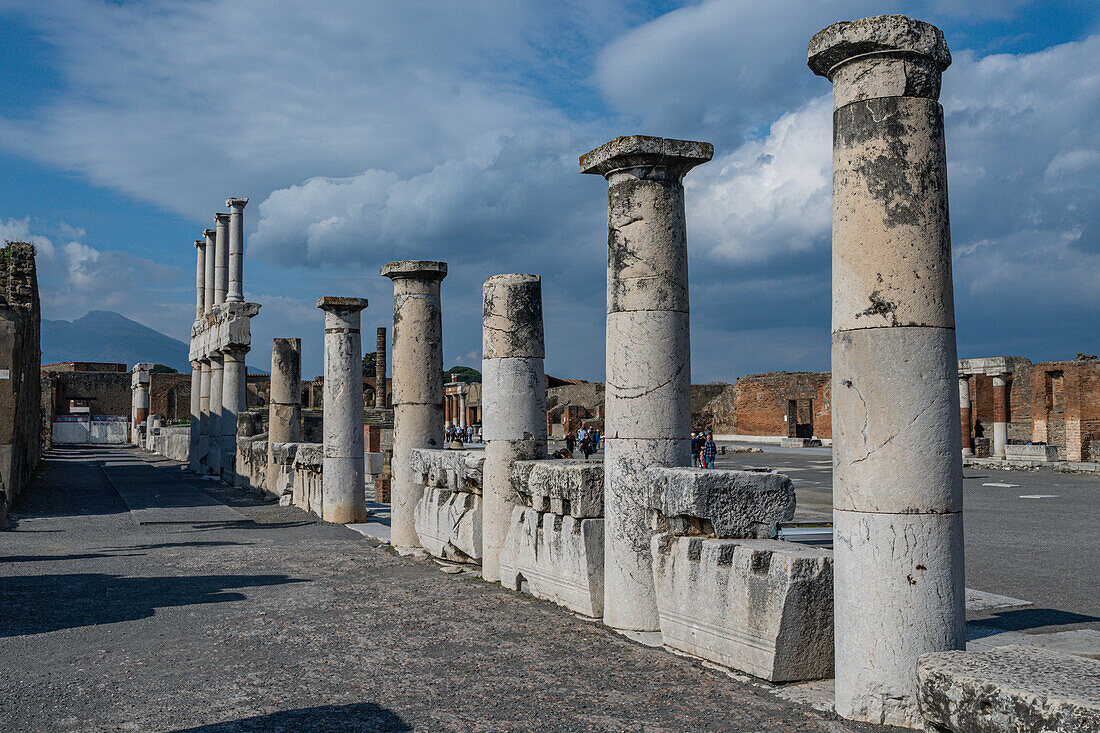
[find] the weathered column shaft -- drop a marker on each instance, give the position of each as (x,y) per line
(235,292)
(221,257)
(965,415)
(380,369)
(216,450)
(343,498)
(205,420)
(209,256)
(417,382)
(897,453)
(513,397)
(284,408)
(234,386)
(462,410)
(200,278)
(1000,415)
(194,454)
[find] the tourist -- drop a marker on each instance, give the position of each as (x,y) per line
(710,450)
(697,449)
(586,445)
(570,442)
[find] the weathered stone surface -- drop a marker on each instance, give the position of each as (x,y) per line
(648,375)
(565,488)
(1011,689)
(624,150)
(513,397)
(512,317)
(559,557)
(448,469)
(735,504)
(759,606)
(1045,453)
(448,523)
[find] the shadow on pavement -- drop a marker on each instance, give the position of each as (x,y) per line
(365,717)
(37,604)
(121,551)
(1020,619)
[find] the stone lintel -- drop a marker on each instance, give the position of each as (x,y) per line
(226,327)
(419,269)
(881,35)
(236,202)
(631,151)
(990,365)
(334,302)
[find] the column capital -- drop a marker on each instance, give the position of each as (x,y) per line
(415,269)
(236,203)
(637,151)
(881,35)
(209,233)
(221,219)
(200,244)
(336,303)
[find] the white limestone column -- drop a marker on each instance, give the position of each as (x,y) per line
(513,399)
(284,408)
(1000,415)
(194,454)
(235,292)
(221,257)
(648,397)
(209,255)
(233,401)
(965,415)
(205,420)
(462,410)
(200,278)
(216,450)
(343,499)
(139,385)
(417,366)
(897,453)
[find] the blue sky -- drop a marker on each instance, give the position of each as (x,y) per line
(364,132)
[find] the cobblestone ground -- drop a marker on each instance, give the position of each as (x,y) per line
(275,621)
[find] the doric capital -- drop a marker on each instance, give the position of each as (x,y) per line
(209,232)
(200,243)
(236,203)
(336,303)
(221,219)
(881,35)
(636,151)
(415,269)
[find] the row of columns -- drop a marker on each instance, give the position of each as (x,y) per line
(454,410)
(1000,415)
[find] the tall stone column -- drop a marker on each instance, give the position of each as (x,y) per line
(284,409)
(209,255)
(462,410)
(897,453)
(417,382)
(194,454)
(513,396)
(1000,415)
(235,292)
(648,397)
(343,498)
(205,418)
(221,257)
(234,386)
(216,451)
(380,369)
(200,278)
(965,415)
(139,385)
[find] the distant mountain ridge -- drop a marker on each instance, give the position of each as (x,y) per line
(110,337)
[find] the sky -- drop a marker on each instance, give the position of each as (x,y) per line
(364,132)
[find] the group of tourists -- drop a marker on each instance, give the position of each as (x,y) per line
(703,449)
(468,434)
(587,440)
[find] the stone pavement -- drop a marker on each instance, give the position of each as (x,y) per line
(221,613)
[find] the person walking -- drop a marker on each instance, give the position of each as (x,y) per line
(586,445)
(696,450)
(710,450)
(570,443)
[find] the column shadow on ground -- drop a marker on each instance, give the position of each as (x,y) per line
(359,717)
(120,551)
(1021,619)
(38,604)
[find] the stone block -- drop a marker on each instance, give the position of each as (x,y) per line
(736,504)
(799,443)
(560,558)
(1010,688)
(1045,453)
(448,523)
(763,607)
(448,469)
(573,488)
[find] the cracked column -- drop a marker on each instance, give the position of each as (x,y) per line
(513,397)
(897,453)
(221,257)
(965,415)
(648,400)
(284,409)
(380,369)
(343,499)
(200,278)
(1000,414)
(208,277)
(235,292)
(234,386)
(139,385)
(417,382)
(195,429)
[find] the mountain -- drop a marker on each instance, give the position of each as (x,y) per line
(110,337)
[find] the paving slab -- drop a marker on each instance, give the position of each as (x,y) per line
(158,497)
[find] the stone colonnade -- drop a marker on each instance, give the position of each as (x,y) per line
(417,382)
(343,477)
(897,481)
(648,397)
(514,399)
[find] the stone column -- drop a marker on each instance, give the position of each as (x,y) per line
(234,386)
(462,411)
(513,396)
(200,278)
(417,382)
(205,419)
(235,292)
(221,257)
(965,415)
(343,481)
(209,255)
(194,453)
(648,398)
(216,451)
(1000,415)
(897,451)
(139,385)
(284,408)
(380,369)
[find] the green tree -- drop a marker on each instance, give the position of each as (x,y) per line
(162,369)
(368,363)
(466,374)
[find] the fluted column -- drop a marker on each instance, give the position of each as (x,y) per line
(221,257)
(209,255)
(343,498)
(417,382)
(200,278)
(897,451)
(235,293)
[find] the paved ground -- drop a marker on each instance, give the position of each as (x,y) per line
(217,613)
(1043,550)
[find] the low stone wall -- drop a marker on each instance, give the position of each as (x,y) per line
(1043,453)
(448,516)
(308,466)
(172,442)
(251,463)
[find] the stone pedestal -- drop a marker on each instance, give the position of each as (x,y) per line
(965,416)
(895,387)
(221,257)
(648,398)
(343,498)
(235,290)
(1000,415)
(194,454)
(417,382)
(513,396)
(380,368)
(284,408)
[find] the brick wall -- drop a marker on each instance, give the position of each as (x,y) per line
(1065,406)
(108,392)
(170,397)
(763,402)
